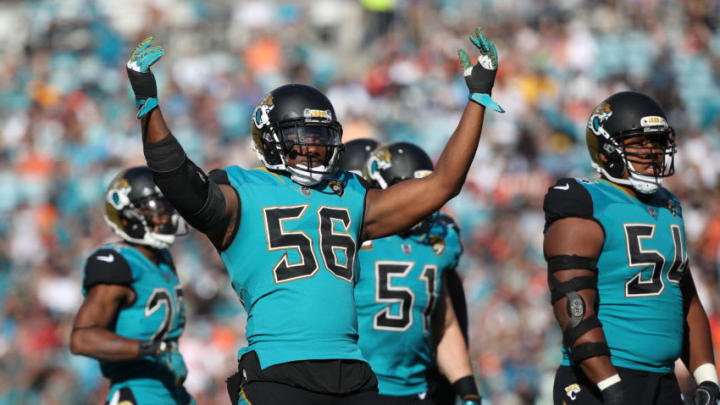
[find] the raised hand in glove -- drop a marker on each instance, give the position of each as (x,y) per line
(481,76)
(141,78)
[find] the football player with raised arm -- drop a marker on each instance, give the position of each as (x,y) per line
(406,317)
(288,232)
(618,270)
(133,312)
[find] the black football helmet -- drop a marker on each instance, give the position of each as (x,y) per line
(395,162)
(356,153)
(628,115)
(137,211)
(287,123)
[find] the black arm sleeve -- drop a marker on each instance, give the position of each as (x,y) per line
(195,196)
(567,198)
(106,266)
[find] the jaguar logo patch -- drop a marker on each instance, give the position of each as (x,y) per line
(572,390)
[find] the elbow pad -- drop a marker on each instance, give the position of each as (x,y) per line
(198,199)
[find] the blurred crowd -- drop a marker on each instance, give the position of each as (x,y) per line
(67,126)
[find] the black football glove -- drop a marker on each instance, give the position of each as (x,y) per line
(614,395)
(141,78)
(480,77)
(707,393)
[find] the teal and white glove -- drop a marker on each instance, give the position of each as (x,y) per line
(141,78)
(480,78)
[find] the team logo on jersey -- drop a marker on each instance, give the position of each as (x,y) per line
(337,187)
(438,244)
(599,116)
(652,212)
(572,390)
(406,248)
(305,191)
(672,207)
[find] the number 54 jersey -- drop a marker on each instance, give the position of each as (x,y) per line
(400,282)
(640,269)
(292,263)
(156,314)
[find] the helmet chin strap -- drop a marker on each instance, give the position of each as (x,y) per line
(640,183)
(301,175)
(152,239)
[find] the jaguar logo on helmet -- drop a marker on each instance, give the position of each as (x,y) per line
(599,116)
(118,195)
(381,159)
(261,115)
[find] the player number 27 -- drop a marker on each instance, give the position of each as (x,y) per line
(331,241)
(640,257)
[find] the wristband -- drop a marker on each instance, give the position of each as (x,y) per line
(466,389)
(612,380)
(485,100)
(150,347)
(706,372)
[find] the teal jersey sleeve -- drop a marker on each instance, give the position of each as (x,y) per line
(293,264)
(396,296)
(641,265)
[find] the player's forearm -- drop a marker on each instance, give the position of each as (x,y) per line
(153,126)
(699,348)
(452,354)
(454,162)
(103,344)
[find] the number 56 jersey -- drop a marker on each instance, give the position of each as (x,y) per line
(292,263)
(400,283)
(640,269)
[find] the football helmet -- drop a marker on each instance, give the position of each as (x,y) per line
(297,121)
(395,162)
(356,153)
(627,128)
(137,211)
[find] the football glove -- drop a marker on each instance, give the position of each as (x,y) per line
(481,76)
(614,395)
(707,393)
(141,78)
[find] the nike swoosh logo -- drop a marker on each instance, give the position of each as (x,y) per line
(109,258)
(564,188)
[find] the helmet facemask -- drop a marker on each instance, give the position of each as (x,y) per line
(625,152)
(310,151)
(150,221)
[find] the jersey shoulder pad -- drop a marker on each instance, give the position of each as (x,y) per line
(447,221)
(567,198)
(219,176)
(106,266)
(359,179)
(670,201)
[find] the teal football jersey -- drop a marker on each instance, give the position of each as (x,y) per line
(398,288)
(156,313)
(642,263)
(292,263)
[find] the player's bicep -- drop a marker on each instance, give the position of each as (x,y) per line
(101,305)
(398,207)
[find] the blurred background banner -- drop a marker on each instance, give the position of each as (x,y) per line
(67,126)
